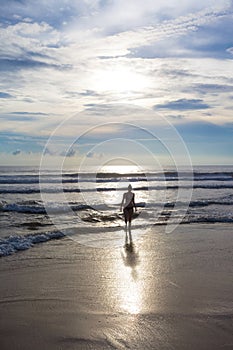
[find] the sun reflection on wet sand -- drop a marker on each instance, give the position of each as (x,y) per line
(129,288)
(131,298)
(131,293)
(131,279)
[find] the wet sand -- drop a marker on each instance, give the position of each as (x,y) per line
(174,291)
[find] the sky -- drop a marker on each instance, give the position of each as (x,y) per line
(93,81)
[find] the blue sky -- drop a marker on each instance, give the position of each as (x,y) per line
(88,63)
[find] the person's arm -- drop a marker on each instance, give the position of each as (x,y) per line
(134,203)
(122,202)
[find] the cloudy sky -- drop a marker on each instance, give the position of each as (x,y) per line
(100,77)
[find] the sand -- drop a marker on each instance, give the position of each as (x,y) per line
(175,291)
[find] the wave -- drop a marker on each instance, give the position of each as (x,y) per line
(208,220)
(202,203)
(107,189)
(114,177)
(16,243)
(38,207)
(188,174)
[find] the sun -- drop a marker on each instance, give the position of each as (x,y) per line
(121,80)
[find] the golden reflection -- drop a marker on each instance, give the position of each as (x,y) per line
(133,277)
(129,289)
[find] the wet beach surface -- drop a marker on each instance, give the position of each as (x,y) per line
(170,291)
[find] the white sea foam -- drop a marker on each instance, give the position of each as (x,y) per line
(17,243)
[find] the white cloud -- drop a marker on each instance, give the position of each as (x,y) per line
(119,15)
(95,155)
(55,60)
(21,38)
(16,152)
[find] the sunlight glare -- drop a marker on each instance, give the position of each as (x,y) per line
(130,287)
(115,197)
(119,80)
(120,169)
(131,298)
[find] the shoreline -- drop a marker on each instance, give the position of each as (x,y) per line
(173,292)
(15,244)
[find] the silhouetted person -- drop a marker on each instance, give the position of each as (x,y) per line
(128,203)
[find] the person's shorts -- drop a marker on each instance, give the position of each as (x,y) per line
(128,211)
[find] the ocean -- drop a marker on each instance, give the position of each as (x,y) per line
(36,207)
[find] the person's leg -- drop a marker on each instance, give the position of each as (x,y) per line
(130,211)
(126,216)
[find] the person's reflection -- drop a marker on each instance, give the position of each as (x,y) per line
(128,239)
(130,255)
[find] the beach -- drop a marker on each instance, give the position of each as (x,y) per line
(173,291)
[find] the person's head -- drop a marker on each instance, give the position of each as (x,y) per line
(129,188)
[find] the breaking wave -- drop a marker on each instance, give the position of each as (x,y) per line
(16,243)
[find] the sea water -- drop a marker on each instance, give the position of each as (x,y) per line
(36,207)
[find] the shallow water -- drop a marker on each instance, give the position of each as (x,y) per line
(41,203)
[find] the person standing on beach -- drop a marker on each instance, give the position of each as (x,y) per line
(128,203)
